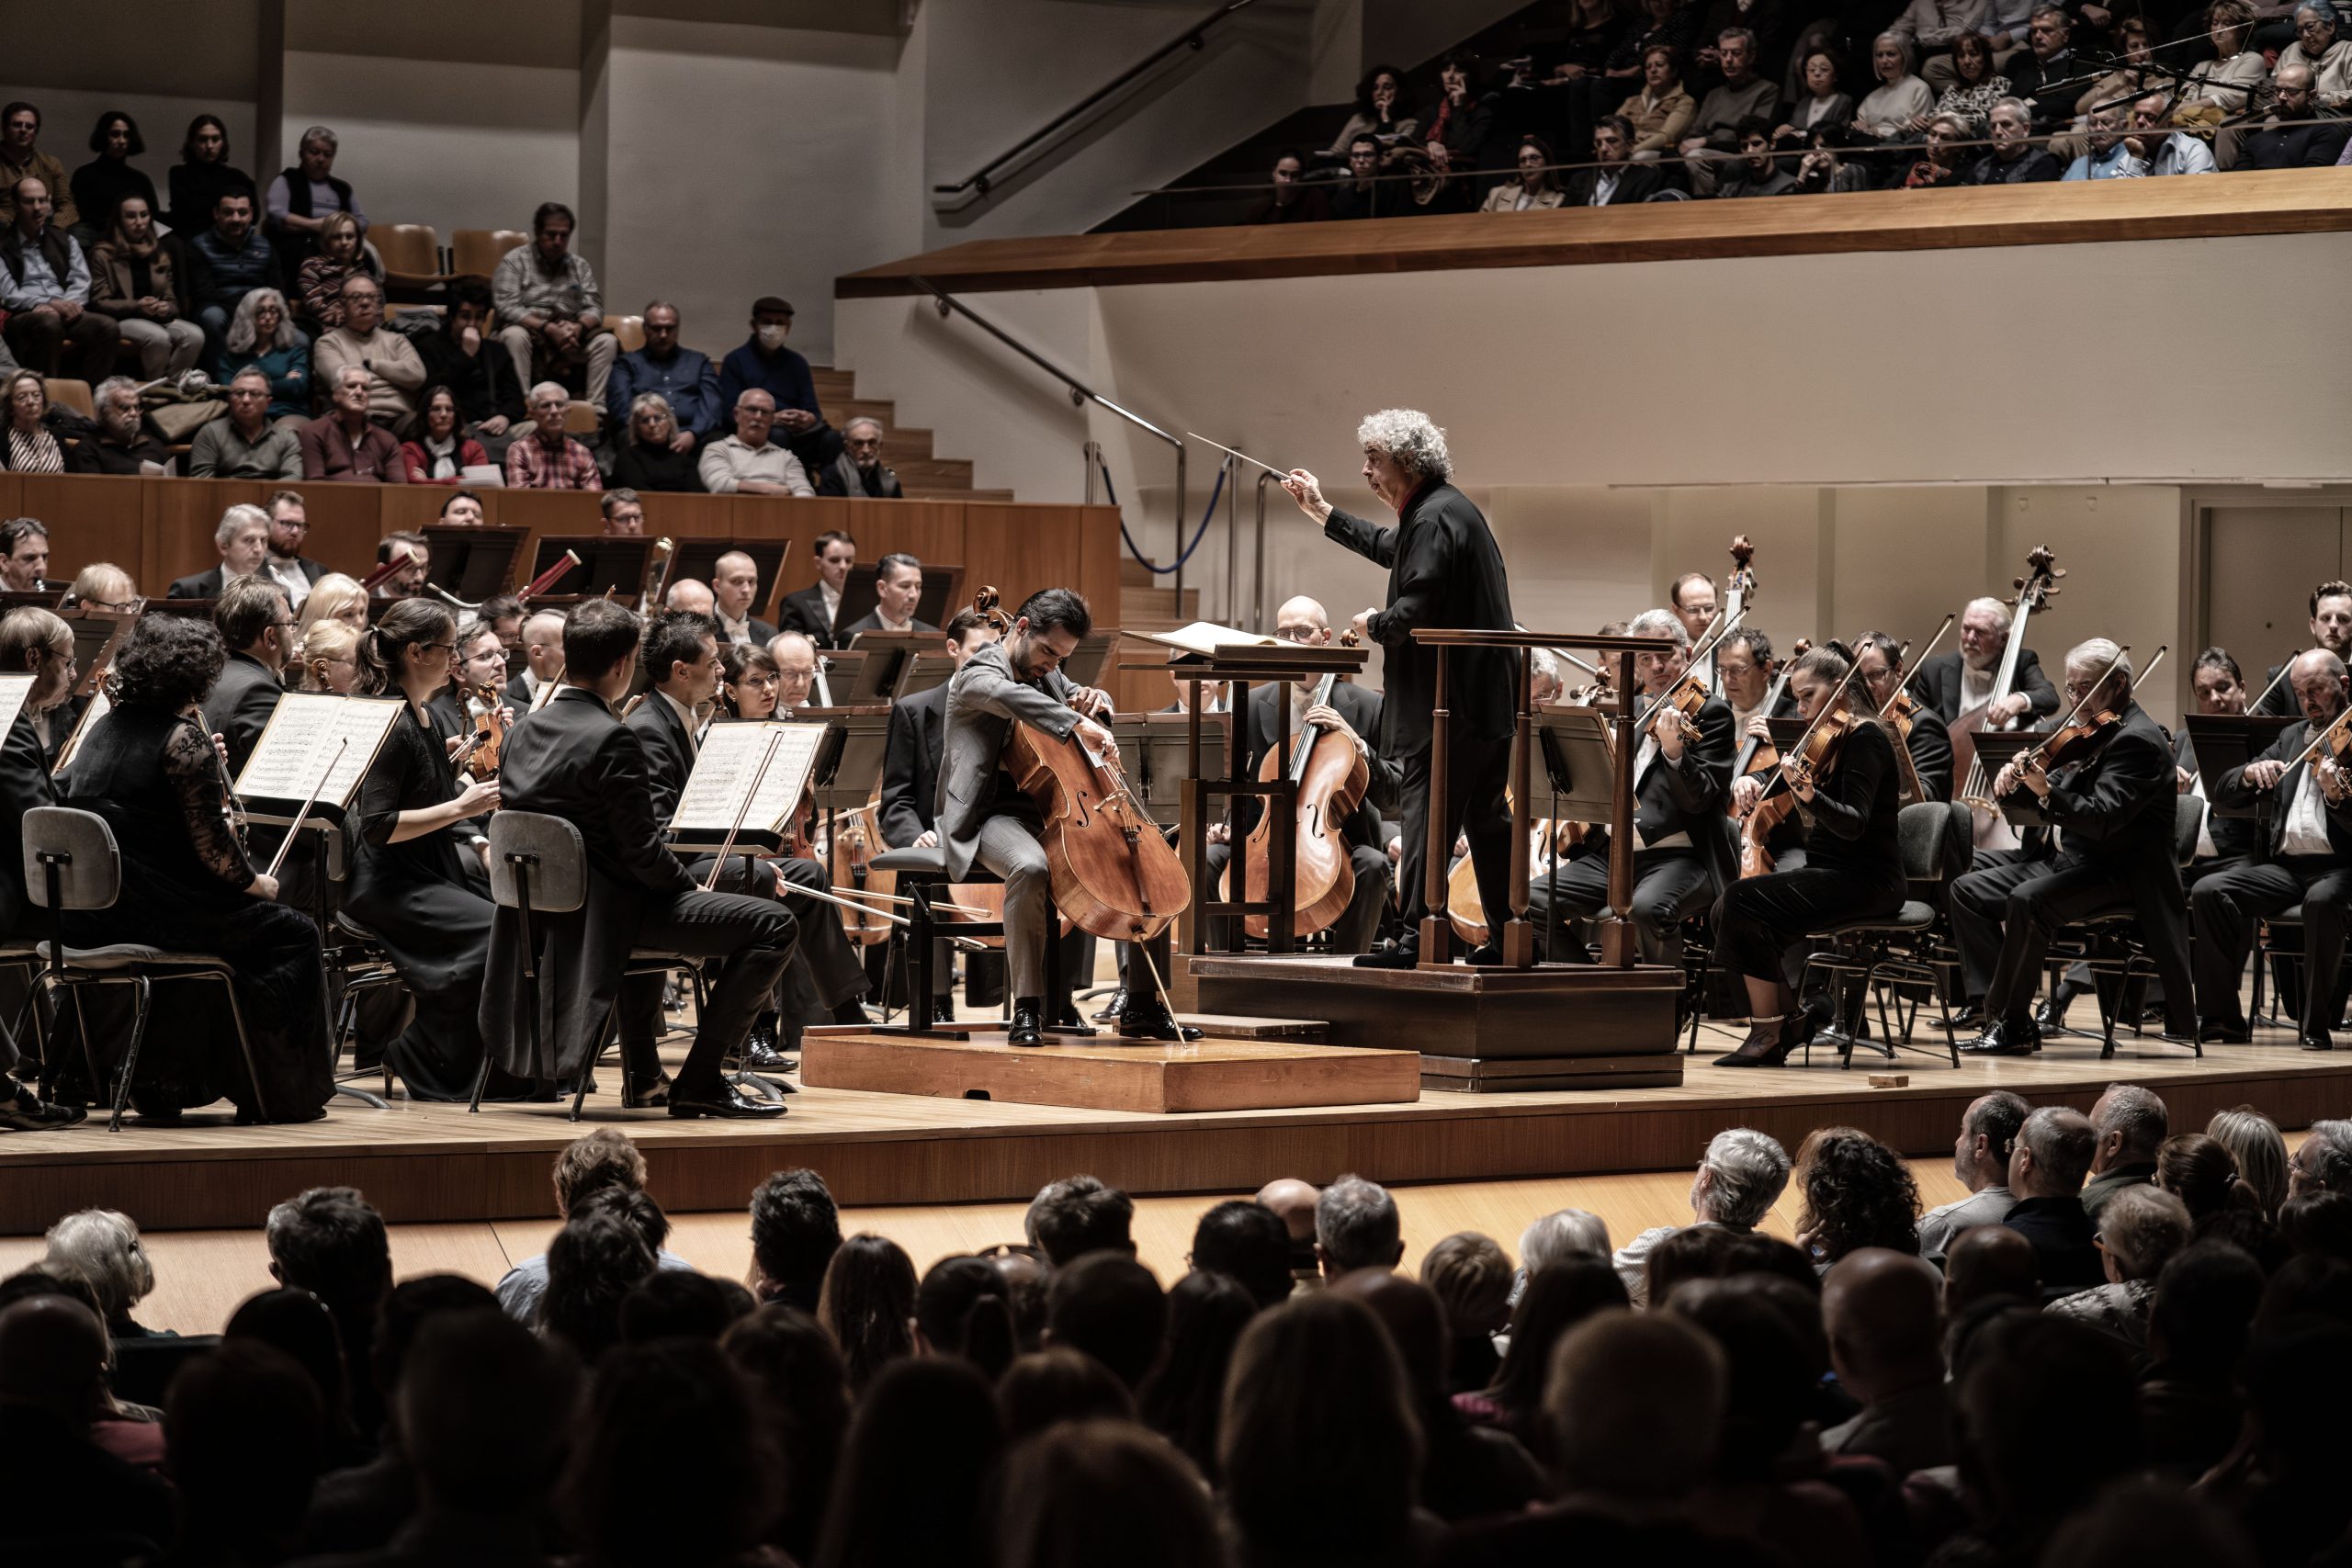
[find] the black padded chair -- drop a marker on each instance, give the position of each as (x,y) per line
(1862,958)
(2109,946)
(922,878)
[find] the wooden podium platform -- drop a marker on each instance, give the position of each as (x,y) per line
(1103,1074)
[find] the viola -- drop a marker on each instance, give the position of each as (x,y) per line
(1331,779)
(477,758)
(849,856)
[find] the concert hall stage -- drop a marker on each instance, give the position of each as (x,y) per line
(436,1162)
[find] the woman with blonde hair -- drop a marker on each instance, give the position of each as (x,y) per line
(326,659)
(2254,1142)
(333,597)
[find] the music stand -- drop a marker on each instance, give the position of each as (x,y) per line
(2226,742)
(856,680)
(887,654)
(1085,660)
(851,759)
(942,595)
(1579,756)
(45,599)
(1999,748)
(96,635)
(200,609)
(472,564)
(1154,747)
(923,673)
(608,565)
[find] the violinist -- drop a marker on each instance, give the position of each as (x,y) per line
(796,671)
(1852,862)
(36,643)
(1680,786)
(2224,843)
(2331,628)
(478,668)
(2306,860)
(419,880)
(2115,809)
(1743,670)
(542,658)
(327,660)
(985,818)
(151,770)
(573,758)
(257,625)
(1961,681)
(1879,659)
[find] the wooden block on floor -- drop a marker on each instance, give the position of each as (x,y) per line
(1212,1075)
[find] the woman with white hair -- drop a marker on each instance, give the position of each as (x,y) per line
(1444,569)
(102,1246)
(1895,108)
(263,336)
(647,461)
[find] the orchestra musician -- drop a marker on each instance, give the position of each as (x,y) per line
(815,610)
(148,768)
(479,666)
(748,679)
(283,560)
(898,589)
(574,759)
(418,877)
(734,588)
(986,819)
(1961,681)
(1744,672)
(2306,860)
(1681,855)
(2330,624)
(2224,843)
(909,818)
(1852,866)
(2115,809)
(242,538)
(256,625)
(1879,657)
(1444,571)
(542,659)
(32,642)
(326,660)
(1692,600)
(409,582)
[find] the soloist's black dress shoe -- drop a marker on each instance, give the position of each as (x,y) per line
(2003,1037)
(1027,1021)
(725,1101)
(1152,1021)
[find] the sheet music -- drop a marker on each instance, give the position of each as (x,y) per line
(725,764)
(1204,637)
(299,738)
(13,690)
(98,709)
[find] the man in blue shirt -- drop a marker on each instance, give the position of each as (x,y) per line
(226,263)
(45,288)
(2110,157)
(766,363)
(682,375)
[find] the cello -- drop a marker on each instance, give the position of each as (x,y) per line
(1331,778)
(2035,589)
(1113,872)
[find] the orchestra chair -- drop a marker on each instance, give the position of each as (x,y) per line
(2109,946)
(71,862)
(357,966)
(539,864)
(923,877)
(478,252)
(1866,955)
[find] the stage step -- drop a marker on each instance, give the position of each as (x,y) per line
(1103,1074)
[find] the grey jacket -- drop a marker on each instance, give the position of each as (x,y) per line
(983,702)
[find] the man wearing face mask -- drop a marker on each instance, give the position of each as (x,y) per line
(763,363)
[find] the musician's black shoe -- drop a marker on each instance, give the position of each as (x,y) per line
(646,1094)
(2223,1031)
(724,1101)
(760,1054)
(1485,955)
(1152,1021)
(25,1111)
(2002,1038)
(1065,1016)
(1392,958)
(1027,1016)
(1111,1010)
(853,1012)
(1971,1016)
(2315,1040)
(1768,1042)
(2049,1017)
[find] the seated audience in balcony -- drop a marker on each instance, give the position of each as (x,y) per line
(544,457)
(343,442)
(140,278)
(2049,57)
(122,444)
(860,471)
(302,200)
(1380,113)
(1663,109)
(745,463)
(100,185)
(318,284)
(685,380)
(1824,167)
(2277,143)
(2133,72)
(1758,172)
(1292,200)
(440,447)
(1615,180)
(2167,151)
(2014,160)
(1898,108)
(244,443)
(1944,165)
(1362,193)
(650,457)
(467,357)
(1818,102)
(766,362)
(203,176)
(1653,24)
(230,260)
(1458,119)
(21,158)
(31,447)
(395,372)
(1932,27)
(2317,46)
(2110,156)
(1537,186)
(1715,131)
(551,312)
(46,291)
(1976,84)
(2237,68)
(263,337)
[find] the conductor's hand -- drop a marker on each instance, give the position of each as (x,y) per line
(1305,489)
(1360,623)
(265,886)
(478,797)
(927,840)
(2264,773)
(1095,737)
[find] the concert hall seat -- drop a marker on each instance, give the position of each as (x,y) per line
(2110,948)
(1888,949)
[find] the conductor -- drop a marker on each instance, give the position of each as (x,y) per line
(1444,569)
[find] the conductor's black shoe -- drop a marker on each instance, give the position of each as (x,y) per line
(725,1101)
(646,1094)
(2002,1038)
(2224,1031)
(1152,1021)
(2315,1040)
(1027,1018)
(1485,955)
(25,1111)
(1392,958)
(1113,1007)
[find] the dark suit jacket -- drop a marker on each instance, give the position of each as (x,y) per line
(1687,796)
(2061,1234)
(2296,146)
(25,783)
(2277,697)
(2027,74)
(871,622)
(2231,790)
(517,695)
(805,611)
(1937,684)
(669,752)
(2116,808)
(911,766)
(1360,707)
(203,585)
(1444,569)
(1931,748)
(1635,182)
(240,705)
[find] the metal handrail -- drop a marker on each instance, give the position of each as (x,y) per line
(1080,394)
(1193,37)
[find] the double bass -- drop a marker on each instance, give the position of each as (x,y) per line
(2035,589)
(1113,873)
(1332,780)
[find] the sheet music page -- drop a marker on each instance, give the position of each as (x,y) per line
(1204,637)
(725,765)
(99,708)
(300,739)
(13,690)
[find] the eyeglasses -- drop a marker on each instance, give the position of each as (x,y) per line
(450,648)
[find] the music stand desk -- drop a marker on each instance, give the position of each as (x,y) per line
(942,595)
(2226,742)
(1999,748)
(473,564)
(609,564)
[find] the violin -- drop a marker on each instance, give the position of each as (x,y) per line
(849,856)
(1113,872)
(477,758)
(1758,754)
(1898,716)
(1814,761)
(1331,779)
(2084,733)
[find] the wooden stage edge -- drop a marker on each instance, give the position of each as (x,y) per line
(435,1162)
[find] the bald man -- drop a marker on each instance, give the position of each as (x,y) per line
(1883,1316)
(53,1381)
(1294,1202)
(734,588)
(1986,1261)
(542,659)
(690,595)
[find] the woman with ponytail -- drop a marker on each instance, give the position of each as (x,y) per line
(964,1308)
(418,881)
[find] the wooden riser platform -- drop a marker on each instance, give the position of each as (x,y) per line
(1106,1075)
(436,1162)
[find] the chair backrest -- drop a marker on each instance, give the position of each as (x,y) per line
(2187,821)
(555,856)
(629,332)
(73,394)
(1921,830)
(408,247)
(580,418)
(481,250)
(90,876)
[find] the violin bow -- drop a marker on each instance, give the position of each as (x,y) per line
(2076,712)
(1926,653)
(2317,740)
(1711,640)
(1780,769)
(2276,679)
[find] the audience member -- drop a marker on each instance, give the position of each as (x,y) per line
(1989,1262)
(2199,1322)
(551,312)
(261,337)
(1182,1398)
(102,1246)
(590,1164)
(1662,110)
(1555,1300)
(140,278)
(440,451)
(594,1261)
(2014,160)
(1739,1179)
(318,284)
(2176,152)
(228,261)
(120,443)
(2199,1171)
(21,159)
(2254,1142)
(2047,60)
(343,442)
(544,457)
(1100,1491)
(764,364)
(918,1469)
(1569,1232)
(1247,1242)
(671,1420)
(1107,1305)
(2046,1170)
(1290,198)
(683,377)
(2225,83)
(1945,163)
(964,1307)
(2295,134)
(1070,1218)
(680,1304)
(745,462)
(2131,1124)
(243,443)
(1472,1279)
(1741,94)
(1050,1387)
(297,1325)
(2323,1162)
(860,471)
(2140,1230)
(305,197)
(1379,114)
(647,456)
(1294,1202)
(868,1303)
(1975,84)
(796,1227)
(99,186)
(203,174)
(1363,192)
(1613,181)
(801,1394)
(394,372)
(1898,107)
(465,357)
(1758,172)
(245,1436)
(47,292)
(1357,1226)
(1980,1158)
(1882,1311)
(2109,155)
(2022,1472)
(1537,186)
(331,1242)
(31,447)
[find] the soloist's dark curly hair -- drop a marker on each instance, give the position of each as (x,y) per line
(1857,1193)
(167,663)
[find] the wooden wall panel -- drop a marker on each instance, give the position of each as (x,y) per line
(766,517)
(92,518)
(346,520)
(12,495)
(927,530)
(1024,548)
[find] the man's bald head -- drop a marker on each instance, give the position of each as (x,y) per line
(52,1357)
(1881,1311)
(1984,1261)
(2054,1153)
(689,594)
(1293,1201)
(1303,610)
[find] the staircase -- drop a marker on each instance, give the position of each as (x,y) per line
(923,476)
(1146,604)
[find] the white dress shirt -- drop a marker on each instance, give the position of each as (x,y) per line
(2306,832)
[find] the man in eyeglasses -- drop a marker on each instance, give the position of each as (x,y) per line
(285,564)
